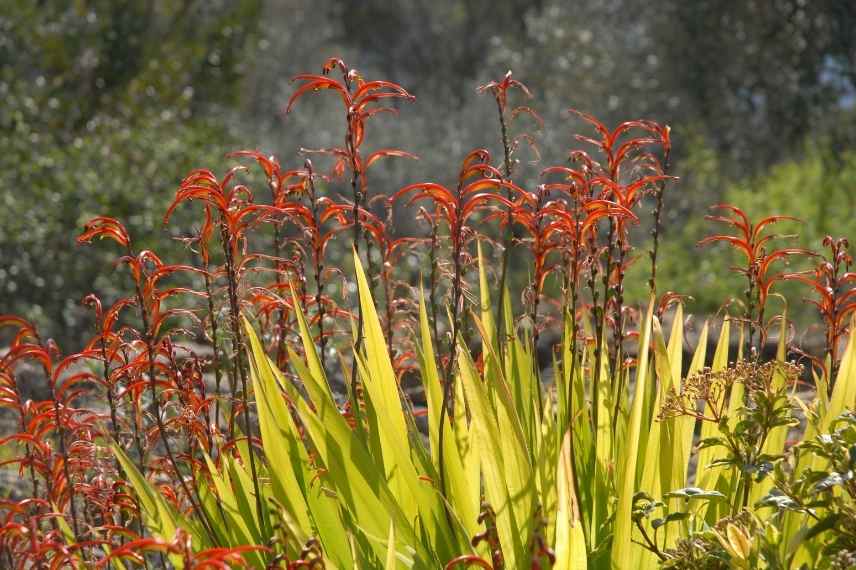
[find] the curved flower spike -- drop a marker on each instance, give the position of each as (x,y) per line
(104,227)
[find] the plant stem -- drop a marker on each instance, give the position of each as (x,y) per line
(617,369)
(536,284)
(592,285)
(135,421)
(60,426)
(658,219)
(283,313)
(218,375)
(448,379)
(649,544)
(506,241)
(317,265)
(433,281)
(358,197)
(235,314)
(156,409)
(607,295)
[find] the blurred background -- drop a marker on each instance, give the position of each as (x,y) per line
(106,104)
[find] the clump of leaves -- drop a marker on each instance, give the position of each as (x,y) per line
(292,474)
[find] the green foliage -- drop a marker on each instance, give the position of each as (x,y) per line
(818,189)
(377,488)
(596,465)
(817,483)
(103,105)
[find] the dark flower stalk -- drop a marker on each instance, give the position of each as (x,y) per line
(456,207)
(457,308)
(113,229)
(540,253)
(591,282)
(573,283)
(59,411)
(388,286)
(358,196)
(136,420)
(620,268)
(357,96)
(506,238)
(500,89)
(95,303)
(317,262)
(608,295)
(282,321)
(658,207)
(7,375)
(215,341)
(203,239)
(432,281)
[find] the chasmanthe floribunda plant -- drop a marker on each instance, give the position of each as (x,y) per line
(314,387)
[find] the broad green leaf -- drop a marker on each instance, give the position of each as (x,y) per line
(696,364)
(467,503)
(282,446)
(604,438)
(570,544)
(414,496)
(843,396)
(844,390)
(66,530)
(390,548)
(507,478)
(653,461)
(382,389)
(663,454)
(485,306)
(502,404)
(289,458)
(624,552)
(359,480)
(236,525)
(705,476)
(321,388)
(676,344)
(114,561)
(463,496)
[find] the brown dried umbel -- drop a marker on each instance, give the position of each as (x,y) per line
(714,387)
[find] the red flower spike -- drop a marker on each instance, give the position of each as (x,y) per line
(500,89)
(835,287)
(751,241)
(104,227)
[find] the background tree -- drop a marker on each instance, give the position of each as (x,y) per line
(107,103)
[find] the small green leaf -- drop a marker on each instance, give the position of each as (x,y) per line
(695,493)
(671,517)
